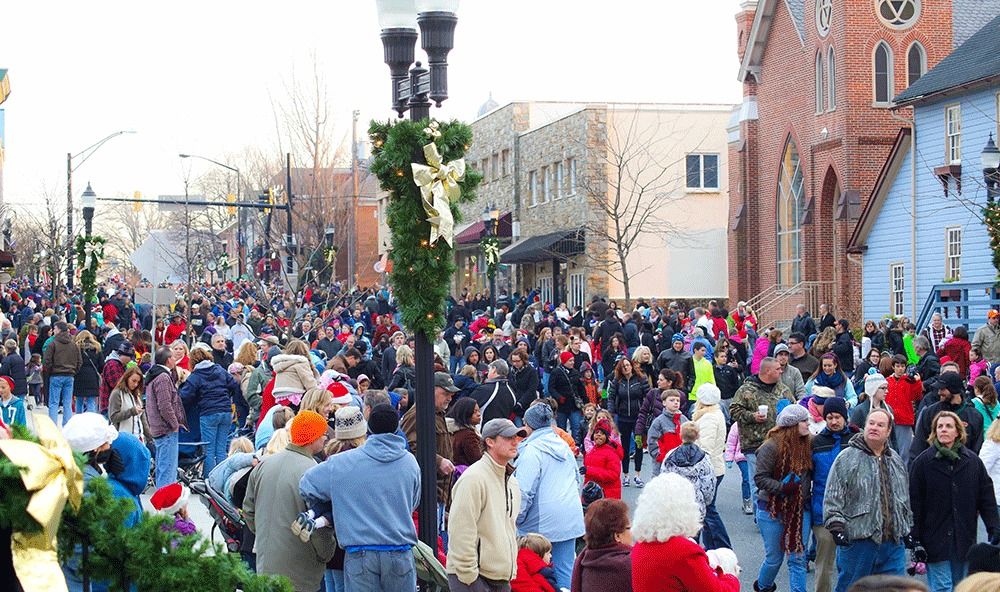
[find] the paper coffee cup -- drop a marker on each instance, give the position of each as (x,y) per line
(762,410)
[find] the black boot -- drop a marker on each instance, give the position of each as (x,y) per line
(757,588)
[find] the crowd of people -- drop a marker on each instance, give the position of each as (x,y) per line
(852,448)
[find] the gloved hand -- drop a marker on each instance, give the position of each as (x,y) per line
(729,464)
(839,535)
(789,488)
(919,554)
(910,542)
(583,470)
(994,538)
(638,441)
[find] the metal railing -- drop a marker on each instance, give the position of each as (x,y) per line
(776,304)
(960,303)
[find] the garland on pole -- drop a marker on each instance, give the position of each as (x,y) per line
(491,252)
(421,165)
(89,257)
(991,217)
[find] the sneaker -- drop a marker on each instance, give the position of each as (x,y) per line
(625,481)
(639,483)
(303,527)
(747,506)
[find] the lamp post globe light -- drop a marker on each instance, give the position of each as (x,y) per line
(413,89)
(89,201)
(991,169)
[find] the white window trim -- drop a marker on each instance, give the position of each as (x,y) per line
(701,173)
(797,232)
(546,187)
(948,109)
(923,60)
(545,286)
(572,175)
(532,189)
(892,288)
(918,10)
(560,179)
(577,290)
(820,90)
(831,80)
(948,256)
(890,74)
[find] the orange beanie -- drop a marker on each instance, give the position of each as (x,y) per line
(307,427)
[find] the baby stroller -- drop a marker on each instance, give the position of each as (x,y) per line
(226,518)
(190,462)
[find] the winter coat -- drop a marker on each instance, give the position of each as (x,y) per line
(990,455)
(678,361)
(524,382)
(164,409)
(692,463)
(566,388)
(733,452)
(804,324)
(853,494)
(743,410)
(112,373)
(768,482)
(457,347)
(761,348)
(62,357)
(496,399)
(604,467)
(211,387)
(442,439)
(625,397)
(987,341)
(845,391)
(602,569)
(843,347)
(132,480)
(481,535)
(550,500)
(650,409)
(293,374)
(903,394)
(531,573)
(928,367)
(466,446)
(122,413)
(728,379)
(825,447)
(12,412)
(87,382)
(663,436)
(712,437)
(677,565)
(947,497)
(273,502)
(972,419)
(13,366)
(792,378)
(405,377)
(957,351)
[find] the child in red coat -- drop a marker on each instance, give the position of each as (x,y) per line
(534,565)
(603,464)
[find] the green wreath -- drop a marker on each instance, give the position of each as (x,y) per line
(422,264)
(991,217)
(89,257)
(491,252)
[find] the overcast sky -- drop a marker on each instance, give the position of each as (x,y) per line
(199,77)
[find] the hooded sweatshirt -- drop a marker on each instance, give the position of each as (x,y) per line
(691,462)
(131,481)
(213,388)
(550,500)
(345,481)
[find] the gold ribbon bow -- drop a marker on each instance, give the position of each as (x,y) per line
(439,188)
(51,477)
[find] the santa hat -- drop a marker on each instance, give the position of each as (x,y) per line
(341,396)
(169,499)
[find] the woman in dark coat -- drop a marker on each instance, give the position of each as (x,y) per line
(626,392)
(949,490)
(463,419)
(87,382)
(13,366)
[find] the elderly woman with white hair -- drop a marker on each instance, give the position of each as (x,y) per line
(665,555)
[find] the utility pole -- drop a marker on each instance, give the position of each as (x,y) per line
(290,236)
(353,218)
(69,226)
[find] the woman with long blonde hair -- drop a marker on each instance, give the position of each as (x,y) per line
(87,381)
(125,408)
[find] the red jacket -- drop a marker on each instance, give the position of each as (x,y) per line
(173,332)
(266,400)
(529,577)
(957,351)
(604,467)
(903,393)
(112,373)
(678,565)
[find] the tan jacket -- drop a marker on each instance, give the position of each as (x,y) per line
(293,374)
(443,446)
(482,539)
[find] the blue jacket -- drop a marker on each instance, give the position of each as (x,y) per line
(366,515)
(211,387)
(550,494)
(825,448)
(13,412)
(132,480)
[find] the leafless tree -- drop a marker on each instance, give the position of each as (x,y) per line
(40,230)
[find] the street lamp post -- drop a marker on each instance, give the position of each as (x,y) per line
(413,89)
(70,157)
(991,169)
(239,211)
(491,220)
(89,201)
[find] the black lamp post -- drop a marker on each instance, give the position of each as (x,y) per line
(413,89)
(991,174)
(491,221)
(89,201)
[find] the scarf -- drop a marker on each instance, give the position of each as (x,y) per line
(789,510)
(949,454)
(831,381)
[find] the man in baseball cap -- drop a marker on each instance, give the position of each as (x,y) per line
(951,390)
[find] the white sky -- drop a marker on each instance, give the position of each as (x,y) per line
(198,77)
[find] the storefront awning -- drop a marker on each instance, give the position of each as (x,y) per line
(556,245)
(472,233)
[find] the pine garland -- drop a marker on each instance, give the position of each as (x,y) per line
(422,271)
(89,265)
(991,217)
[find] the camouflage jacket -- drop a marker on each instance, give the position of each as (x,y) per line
(751,394)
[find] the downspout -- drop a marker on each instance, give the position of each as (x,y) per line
(913,208)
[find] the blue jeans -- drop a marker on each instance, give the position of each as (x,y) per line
(60,393)
(454,364)
(866,558)
(215,431)
(166,459)
(563,557)
(333,579)
(771,530)
(442,530)
(752,469)
(745,472)
(943,576)
(374,571)
(85,404)
(713,534)
(575,418)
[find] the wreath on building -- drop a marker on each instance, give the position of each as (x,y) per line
(422,166)
(991,217)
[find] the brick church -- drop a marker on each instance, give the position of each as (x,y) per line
(814,128)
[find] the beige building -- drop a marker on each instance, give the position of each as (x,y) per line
(578,185)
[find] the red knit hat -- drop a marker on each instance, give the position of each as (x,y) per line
(604,426)
(566,355)
(9,381)
(169,499)
(307,427)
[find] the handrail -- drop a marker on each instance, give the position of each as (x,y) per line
(934,303)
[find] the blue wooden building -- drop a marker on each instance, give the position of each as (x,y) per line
(921,238)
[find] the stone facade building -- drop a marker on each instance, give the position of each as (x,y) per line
(551,170)
(814,128)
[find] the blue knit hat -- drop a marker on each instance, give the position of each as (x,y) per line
(538,416)
(677,337)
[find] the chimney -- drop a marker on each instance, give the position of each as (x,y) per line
(744,22)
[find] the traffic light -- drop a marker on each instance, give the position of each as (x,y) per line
(267,198)
(231,210)
(137,205)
